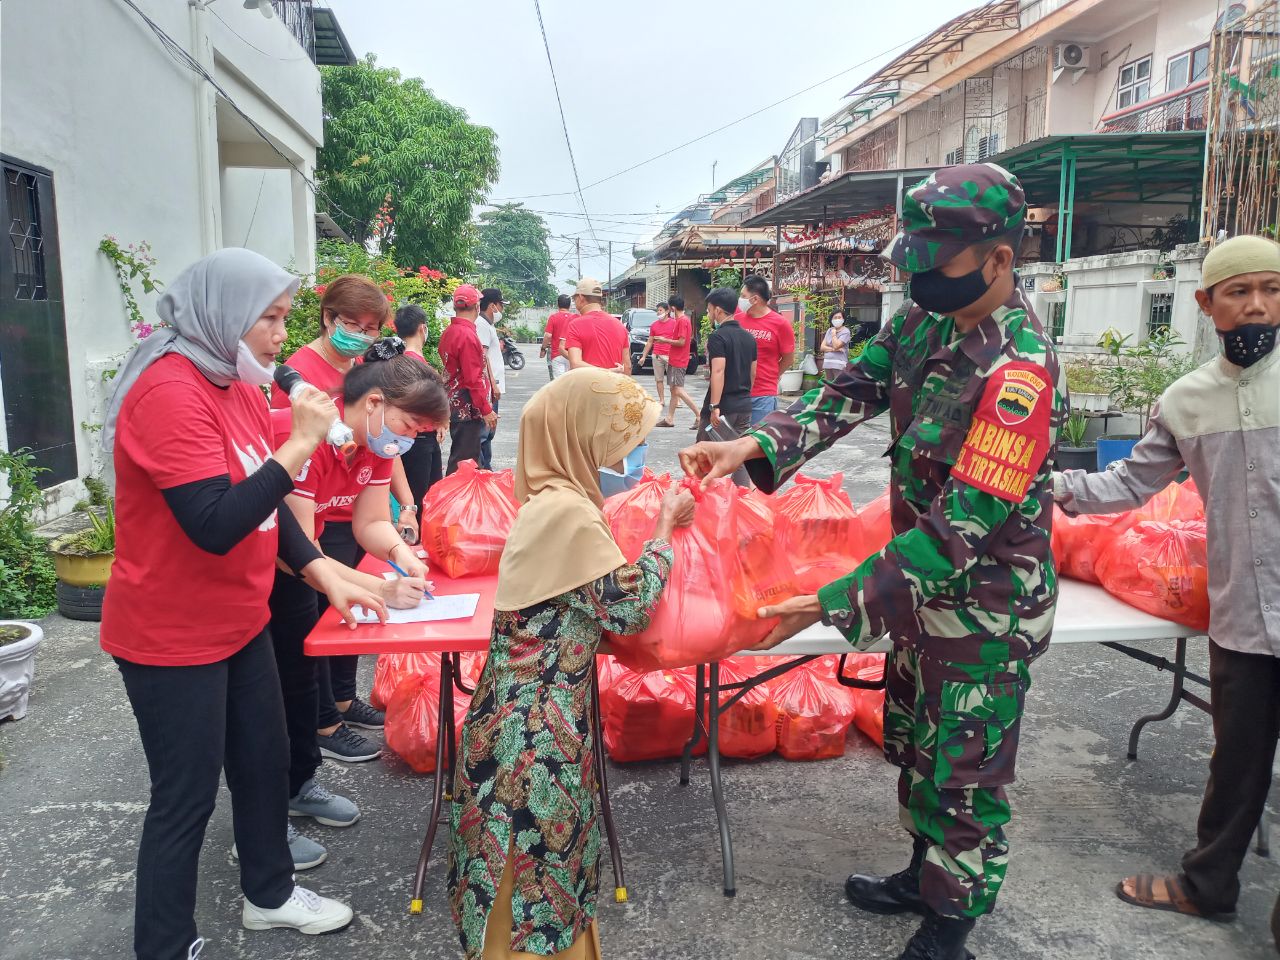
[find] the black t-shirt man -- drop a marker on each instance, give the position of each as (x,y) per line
(738,349)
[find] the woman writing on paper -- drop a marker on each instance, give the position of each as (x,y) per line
(386,401)
(525,838)
(197,491)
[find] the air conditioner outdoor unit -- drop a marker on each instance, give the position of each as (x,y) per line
(1072,56)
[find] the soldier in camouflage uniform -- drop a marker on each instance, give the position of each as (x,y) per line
(966,589)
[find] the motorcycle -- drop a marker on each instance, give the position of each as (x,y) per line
(511,354)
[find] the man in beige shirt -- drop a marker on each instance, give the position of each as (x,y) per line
(1222,422)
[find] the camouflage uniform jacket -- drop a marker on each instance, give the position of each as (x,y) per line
(968,577)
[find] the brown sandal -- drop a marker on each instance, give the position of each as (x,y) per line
(1175,899)
(664,423)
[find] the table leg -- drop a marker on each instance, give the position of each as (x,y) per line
(717,787)
(699,705)
(606,809)
(1179,671)
(444,721)
(1263,848)
(446,708)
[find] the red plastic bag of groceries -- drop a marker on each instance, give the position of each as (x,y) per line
(699,618)
(819,531)
(648,716)
(1162,569)
(869,704)
(765,575)
(632,515)
(813,715)
(466,519)
(1177,501)
(877,528)
(1079,543)
(393,669)
(413,722)
(748,729)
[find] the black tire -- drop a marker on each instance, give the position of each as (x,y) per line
(515,360)
(80,603)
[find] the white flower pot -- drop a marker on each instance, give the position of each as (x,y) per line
(1090,402)
(17,668)
(791,381)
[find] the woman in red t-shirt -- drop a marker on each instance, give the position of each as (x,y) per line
(353,311)
(386,401)
(185,614)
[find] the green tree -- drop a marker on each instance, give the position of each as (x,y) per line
(389,140)
(512,250)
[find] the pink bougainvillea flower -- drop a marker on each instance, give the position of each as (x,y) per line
(321,288)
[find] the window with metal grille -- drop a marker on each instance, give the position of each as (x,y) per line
(26,235)
(1057,320)
(1160,314)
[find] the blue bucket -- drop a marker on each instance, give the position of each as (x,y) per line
(1111,449)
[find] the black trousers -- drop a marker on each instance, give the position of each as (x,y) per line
(336,676)
(486,443)
(1245,692)
(195,723)
(464,436)
(293,616)
(423,467)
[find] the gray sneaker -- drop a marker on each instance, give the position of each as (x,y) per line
(306,852)
(320,805)
(348,746)
(360,714)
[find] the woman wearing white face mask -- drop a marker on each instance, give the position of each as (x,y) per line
(197,492)
(835,347)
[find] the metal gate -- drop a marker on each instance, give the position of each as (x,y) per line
(33,333)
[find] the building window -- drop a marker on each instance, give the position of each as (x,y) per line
(1135,83)
(1186,68)
(1160,315)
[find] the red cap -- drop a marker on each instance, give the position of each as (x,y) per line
(466,296)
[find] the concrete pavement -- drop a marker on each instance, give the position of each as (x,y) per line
(74,791)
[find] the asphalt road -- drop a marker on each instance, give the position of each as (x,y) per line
(74,791)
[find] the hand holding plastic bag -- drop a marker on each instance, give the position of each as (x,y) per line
(632,515)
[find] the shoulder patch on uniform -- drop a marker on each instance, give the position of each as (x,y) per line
(1009,437)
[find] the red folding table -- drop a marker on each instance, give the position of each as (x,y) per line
(449,638)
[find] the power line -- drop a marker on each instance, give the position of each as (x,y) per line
(546,45)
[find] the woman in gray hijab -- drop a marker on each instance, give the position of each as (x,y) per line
(185,614)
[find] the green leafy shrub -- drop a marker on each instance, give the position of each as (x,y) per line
(27,578)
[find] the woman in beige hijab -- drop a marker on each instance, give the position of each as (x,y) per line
(525,838)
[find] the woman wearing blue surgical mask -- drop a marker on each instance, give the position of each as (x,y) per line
(387,401)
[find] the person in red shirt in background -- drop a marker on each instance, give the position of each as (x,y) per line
(775,344)
(353,310)
(463,357)
(681,342)
(596,338)
(660,346)
(553,338)
(387,401)
(198,530)
(423,465)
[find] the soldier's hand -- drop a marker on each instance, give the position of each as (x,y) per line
(709,461)
(793,616)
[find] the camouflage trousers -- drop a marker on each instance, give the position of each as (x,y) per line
(952,729)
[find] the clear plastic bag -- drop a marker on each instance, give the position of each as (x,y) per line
(466,519)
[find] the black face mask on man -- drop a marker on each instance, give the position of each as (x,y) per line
(1248,343)
(936,292)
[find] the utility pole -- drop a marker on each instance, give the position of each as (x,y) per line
(577,246)
(714,164)
(609,277)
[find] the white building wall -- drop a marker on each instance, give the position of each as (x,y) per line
(257,212)
(89,93)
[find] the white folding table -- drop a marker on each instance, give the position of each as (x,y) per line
(1085,614)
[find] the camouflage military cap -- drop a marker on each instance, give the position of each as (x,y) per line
(955,208)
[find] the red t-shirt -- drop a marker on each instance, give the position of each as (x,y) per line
(662,328)
(774,337)
(600,336)
(557,326)
(169,603)
(681,329)
(328,480)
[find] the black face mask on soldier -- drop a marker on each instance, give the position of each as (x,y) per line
(934,291)
(1248,343)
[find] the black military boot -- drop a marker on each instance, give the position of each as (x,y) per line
(897,893)
(940,938)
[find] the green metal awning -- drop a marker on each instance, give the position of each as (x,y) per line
(1149,168)
(332,48)
(846,196)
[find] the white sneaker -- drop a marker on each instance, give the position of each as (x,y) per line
(304,911)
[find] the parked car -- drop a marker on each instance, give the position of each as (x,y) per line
(638,320)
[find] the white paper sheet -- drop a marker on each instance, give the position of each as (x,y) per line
(457,606)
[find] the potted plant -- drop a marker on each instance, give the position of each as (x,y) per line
(18,643)
(83,563)
(1088,390)
(1074,452)
(1136,380)
(1054,283)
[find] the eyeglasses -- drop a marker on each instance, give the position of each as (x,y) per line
(352,327)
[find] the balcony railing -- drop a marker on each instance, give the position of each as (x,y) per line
(1183,110)
(298,16)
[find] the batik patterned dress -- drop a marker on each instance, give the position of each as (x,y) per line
(525,780)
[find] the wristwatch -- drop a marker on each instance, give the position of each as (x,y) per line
(409,508)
